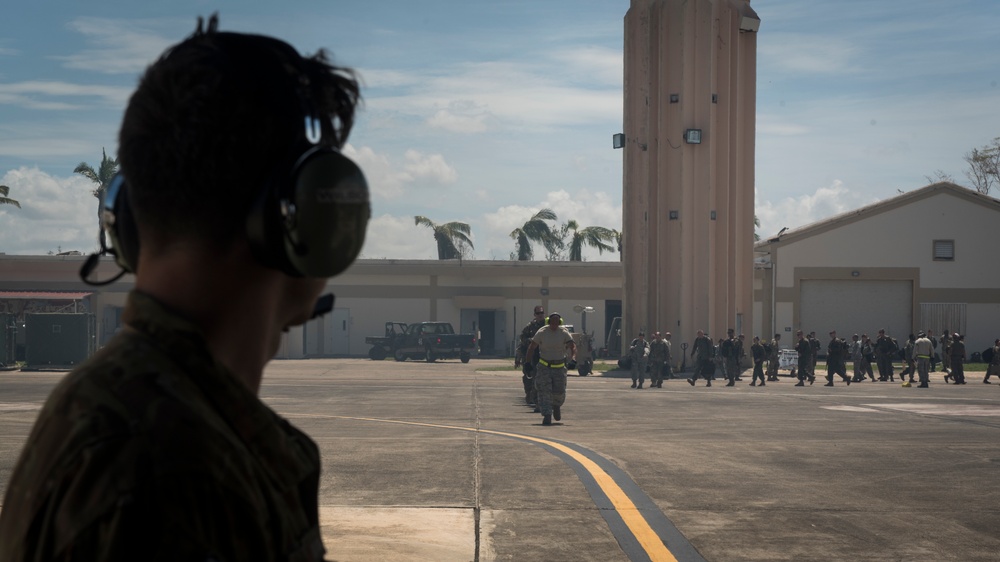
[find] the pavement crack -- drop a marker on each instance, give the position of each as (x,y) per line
(476,462)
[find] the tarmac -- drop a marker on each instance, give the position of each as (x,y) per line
(444,461)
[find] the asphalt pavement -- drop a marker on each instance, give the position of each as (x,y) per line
(444,461)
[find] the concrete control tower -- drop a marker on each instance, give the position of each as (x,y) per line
(688,186)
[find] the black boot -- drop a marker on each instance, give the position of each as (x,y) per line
(547,419)
(556,414)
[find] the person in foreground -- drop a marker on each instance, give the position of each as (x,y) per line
(556,348)
(158,447)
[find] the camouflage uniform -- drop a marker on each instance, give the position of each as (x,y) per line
(885,349)
(638,352)
(668,369)
(836,360)
(805,349)
(550,372)
(729,352)
(957,353)
(946,352)
(659,354)
(530,397)
(151,450)
(994,366)
(923,348)
(773,359)
(758,355)
(702,351)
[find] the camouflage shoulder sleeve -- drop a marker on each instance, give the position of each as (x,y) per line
(128,458)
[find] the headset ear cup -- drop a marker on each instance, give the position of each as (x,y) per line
(332,209)
(119,224)
(314,224)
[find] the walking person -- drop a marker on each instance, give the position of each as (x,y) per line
(638,352)
(908,360)
(923,348)
(526,363)
(857,358)
(994,364)
(741,354)
(702,351)
(759,355)
(946,339)
(773,358)
(885,351)
(816,346)
(836,364)
(659,353)
(805,349)
(728,351)
(555,346)
(958,358)
(934,345)
(668,369)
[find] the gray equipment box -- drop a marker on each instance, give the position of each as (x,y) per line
(58,341)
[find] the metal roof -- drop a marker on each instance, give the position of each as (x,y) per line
(43,295)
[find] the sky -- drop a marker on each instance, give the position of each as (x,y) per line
(486,112)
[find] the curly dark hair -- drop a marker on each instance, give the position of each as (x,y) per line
(218,118)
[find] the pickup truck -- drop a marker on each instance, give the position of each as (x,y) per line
(383,346)
(431,341)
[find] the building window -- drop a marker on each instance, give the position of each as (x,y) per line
(944,250)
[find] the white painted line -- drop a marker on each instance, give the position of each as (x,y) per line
(853,409)
(943,409)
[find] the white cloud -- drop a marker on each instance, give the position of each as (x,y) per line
(122,47)
(527,96)
(793,212)
(430,167)
(445,119)
(393,237)
(57,213)
(383,181)
(809,53)
(593,65)
(37,94)
(388,181)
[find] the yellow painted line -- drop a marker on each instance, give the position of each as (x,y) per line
(631,515)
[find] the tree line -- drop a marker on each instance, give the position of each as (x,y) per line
(560,243)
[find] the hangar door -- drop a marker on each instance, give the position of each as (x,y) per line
(856,306)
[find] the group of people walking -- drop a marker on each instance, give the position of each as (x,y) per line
(919,354)
(546,350)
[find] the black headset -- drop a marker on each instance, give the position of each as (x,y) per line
(310,221)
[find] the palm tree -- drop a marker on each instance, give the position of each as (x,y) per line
(756,225)
(593,236)
(102,177)
(536,230)
(452,238)
(617,234)
(4,200)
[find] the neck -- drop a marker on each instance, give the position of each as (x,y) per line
(225,294)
